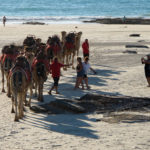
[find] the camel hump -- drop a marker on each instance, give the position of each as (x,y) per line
(55,39)
(70,38)
(41,70)
(29,41)
(7,63)
(17,79)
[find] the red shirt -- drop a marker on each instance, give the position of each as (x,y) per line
(55,68)
(85,47)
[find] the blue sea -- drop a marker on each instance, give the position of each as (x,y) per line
(72,11)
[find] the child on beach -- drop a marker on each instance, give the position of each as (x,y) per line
(55,71)
(86,67)
(80,73)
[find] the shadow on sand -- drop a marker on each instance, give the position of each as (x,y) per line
(76,125)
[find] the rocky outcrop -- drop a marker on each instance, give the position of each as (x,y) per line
(120,21)
(34,23)
(136,46)
(93,103)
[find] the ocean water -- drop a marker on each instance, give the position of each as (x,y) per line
(49,11)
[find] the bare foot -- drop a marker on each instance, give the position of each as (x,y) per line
(88,87)
(49,93)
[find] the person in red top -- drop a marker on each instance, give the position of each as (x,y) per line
(85,47)
(55,71)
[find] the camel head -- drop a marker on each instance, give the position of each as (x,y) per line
(79,34)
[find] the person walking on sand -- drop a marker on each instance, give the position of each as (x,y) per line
(4,20)
(55,71)
(146,61)
(80,73)
(85,48)
(86,67)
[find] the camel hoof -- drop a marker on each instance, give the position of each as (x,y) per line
(12,111)
(40,99)
(26,104)
(35,95)
(16,119)
(9,95)
(3,90)
(21,116)
(73,67)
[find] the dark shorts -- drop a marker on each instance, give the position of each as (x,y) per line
(85,76)
(147,73)
(85,55)
(56,80)
(80,74)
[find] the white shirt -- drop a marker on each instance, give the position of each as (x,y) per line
(86,67)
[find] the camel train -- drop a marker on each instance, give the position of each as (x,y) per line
(27,66)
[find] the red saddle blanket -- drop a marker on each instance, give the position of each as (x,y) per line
(44,61)
(69,45)
(25,71)
(9,56)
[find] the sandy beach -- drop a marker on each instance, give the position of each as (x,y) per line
(118,73)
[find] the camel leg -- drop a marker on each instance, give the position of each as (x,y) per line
(68,59)
(19,105)
(16,107)
(3,90)
(73,61)
(25,97)
(8,87)
(40,97)
(38,91)
(77,52)
(64,68)
(36,88)
(41,92)
(12,99)
(30,96)
(21,114)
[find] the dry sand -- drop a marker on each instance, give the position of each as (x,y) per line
(118,73)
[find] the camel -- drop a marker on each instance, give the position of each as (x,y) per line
(9,54)
(69,48)
(40,68)
(29,41)
(32,44)
(54,48)
(78,41)
(19,85)
(29,54)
